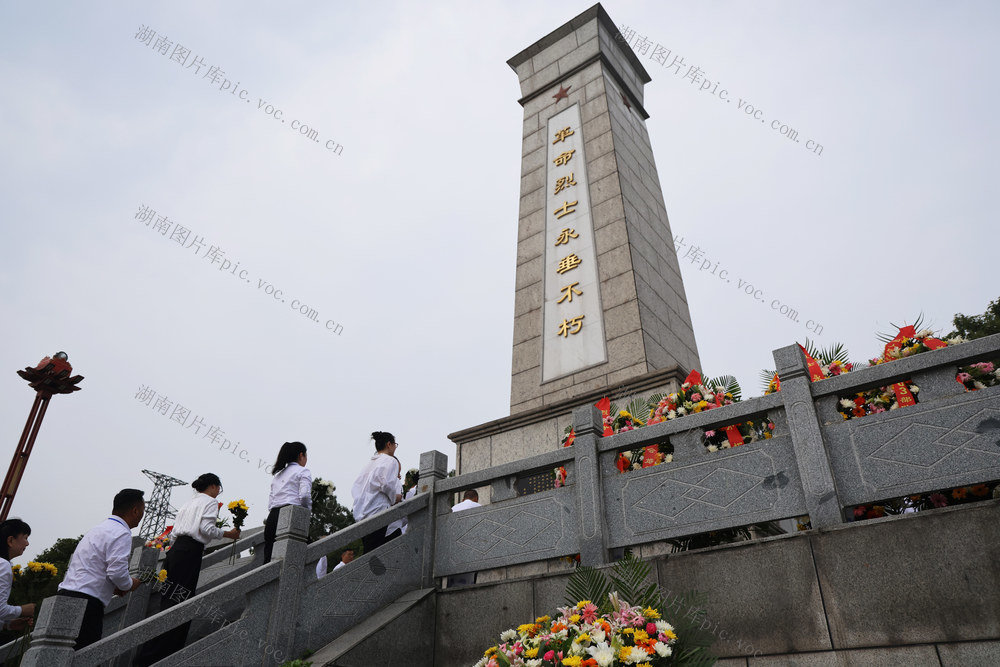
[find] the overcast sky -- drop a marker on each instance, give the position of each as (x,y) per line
(405,238)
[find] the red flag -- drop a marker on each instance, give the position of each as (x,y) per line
(604,405)
(814,370)
(693,378)
(569,440)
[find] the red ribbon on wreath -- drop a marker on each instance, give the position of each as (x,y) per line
(815,373)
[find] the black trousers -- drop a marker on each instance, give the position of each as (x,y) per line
(270,531)
(183,565)
(373,541)
(92,628)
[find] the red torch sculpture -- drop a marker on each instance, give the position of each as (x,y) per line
(51,376)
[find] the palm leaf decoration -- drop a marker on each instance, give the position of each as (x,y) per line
(887,337)
(836,352)
(728,384)
(586,583)
(765,378)
(629,578)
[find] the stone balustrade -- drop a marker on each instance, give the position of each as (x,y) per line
(817,464)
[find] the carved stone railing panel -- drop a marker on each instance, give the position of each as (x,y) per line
(748,484)
(952,442)
(530,528)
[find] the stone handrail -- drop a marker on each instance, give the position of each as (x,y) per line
(816,463)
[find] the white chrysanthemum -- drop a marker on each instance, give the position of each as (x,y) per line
(713,448)
(915,389)
(926,333)
(978,385)
(602,653)
(846,403)
(681,412)
(894,406)
(481,663)
(955,340)
(669,458)
(597,635)
(508,635)
(673,413)
(662,649)
(663,626)
(534,662)
(996,373)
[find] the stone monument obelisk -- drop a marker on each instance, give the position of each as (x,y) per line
(600,306)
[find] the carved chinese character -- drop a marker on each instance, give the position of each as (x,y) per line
(568,293)
(565,235)
(565,209)
(562,134)
(564,183)
(564,327)
(564,158)
(568,263)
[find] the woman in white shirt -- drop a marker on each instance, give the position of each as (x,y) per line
(194,526)
(292,485)
(13,541)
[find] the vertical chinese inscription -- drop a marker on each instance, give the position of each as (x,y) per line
(572,319)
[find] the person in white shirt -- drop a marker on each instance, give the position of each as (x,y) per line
(194,526)
(292,485)
(98,568)
(377,487)
(346,557)
(13,541)
(469,500)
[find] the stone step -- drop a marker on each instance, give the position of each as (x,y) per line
(345,643)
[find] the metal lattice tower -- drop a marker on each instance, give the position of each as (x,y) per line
(158,509)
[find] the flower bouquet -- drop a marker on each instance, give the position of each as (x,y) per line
(608,633)
(979,376)
(239,510)
(162,541)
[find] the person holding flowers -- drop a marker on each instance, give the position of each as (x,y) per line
(194,527)
(13,541)
(291,485)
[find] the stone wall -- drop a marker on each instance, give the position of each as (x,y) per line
(917,589)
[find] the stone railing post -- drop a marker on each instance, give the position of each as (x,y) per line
(290,548)
(811,455)
(588,427)
(55,632)
(433,467)
(137,602)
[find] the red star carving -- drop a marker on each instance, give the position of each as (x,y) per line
(625,100)
(563,93)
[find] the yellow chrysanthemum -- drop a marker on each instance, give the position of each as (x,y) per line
(650,613)
(625,653)
(628,631)
(531,652)
(640,636)
(582,637)
(162,576)
(645,664)
(575,618)
(582,603)
(670,634)
(572,661)
(490,651)
(16,570)
(543,619)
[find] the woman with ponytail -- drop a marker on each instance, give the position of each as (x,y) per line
(378,488)
(194,527)
(292,485)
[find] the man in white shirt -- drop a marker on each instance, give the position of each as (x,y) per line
(469,500)
(377,487)
(346,557)
(99,566)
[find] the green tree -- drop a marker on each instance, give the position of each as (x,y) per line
(328,515)
(977,326)
(59,554)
